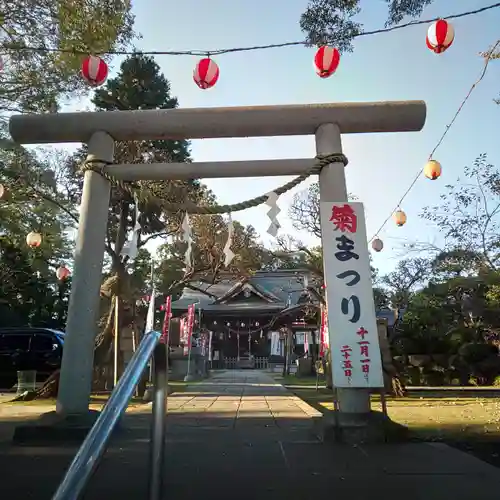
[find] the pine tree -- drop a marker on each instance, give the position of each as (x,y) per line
(141,85)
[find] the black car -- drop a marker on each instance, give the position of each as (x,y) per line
(27,348)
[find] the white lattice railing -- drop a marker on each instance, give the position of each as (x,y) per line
(260,363)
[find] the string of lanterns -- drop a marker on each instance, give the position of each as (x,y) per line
(440,36)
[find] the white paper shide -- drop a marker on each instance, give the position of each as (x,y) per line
(352,324)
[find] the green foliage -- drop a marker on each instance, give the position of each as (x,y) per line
(469,214)
(29,292)
(333,21)
(209,239)
(448,300)
(33,81)
(141,85)
(330,22)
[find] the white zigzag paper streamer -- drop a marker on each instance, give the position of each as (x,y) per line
(274,210)
(130,247)
(187,238)
(228,253)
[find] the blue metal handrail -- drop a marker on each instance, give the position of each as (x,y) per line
(93,447)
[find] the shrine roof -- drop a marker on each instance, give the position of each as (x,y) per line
(265,290)
(269,293)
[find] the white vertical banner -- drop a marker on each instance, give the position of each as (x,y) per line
(187,237)
(352,325)
(150,318)
(275,344)
(130,247)
(210,335)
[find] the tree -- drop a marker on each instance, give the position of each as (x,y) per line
(207,258)
(140,85)
(469,215)
(33,80)
(29,291)
(401,283)
(333,21)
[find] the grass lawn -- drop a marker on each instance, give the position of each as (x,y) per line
(467,421)
(95,399)
(296,381)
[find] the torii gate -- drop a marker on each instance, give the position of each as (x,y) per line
(100,129)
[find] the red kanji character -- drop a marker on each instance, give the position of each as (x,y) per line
(346,351)
(362,332)
(365,369)
(347,364)
(348,373)
(344,218)
(363,350)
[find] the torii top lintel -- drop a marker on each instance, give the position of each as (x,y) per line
(200,123)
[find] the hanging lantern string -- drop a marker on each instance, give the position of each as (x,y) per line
(6,49)
(487,58)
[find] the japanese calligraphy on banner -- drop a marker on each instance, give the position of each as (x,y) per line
(186,325)
(352,325)
(323,333)
(204,343)
(166,321)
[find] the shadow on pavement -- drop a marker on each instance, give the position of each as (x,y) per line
(223,457)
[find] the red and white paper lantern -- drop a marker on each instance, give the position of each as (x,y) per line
(62,273)
(94,70)
(326,61)
(206,73)
(440,36)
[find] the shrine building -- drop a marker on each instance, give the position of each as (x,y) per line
(247,316)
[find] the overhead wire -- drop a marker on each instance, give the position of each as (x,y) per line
(305,43)
(249,48)
(488,58)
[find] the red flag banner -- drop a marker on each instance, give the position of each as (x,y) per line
(189,327)
(323,342)
(164,339)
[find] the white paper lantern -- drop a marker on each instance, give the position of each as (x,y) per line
(432,170)
(377,244)
(399,218)
(34,239)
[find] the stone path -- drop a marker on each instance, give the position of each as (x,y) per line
(241,435)
(240,400)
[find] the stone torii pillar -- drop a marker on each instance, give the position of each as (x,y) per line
(100,129)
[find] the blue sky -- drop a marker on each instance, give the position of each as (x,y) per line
(393,66)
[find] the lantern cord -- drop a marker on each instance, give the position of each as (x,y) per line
(146,196)
(203,53)
(487,58)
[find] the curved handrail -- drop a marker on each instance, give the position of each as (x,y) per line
(93,447)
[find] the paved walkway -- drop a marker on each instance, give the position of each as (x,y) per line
(242,436)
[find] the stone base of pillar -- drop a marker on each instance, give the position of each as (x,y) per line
(365,428)
(55,429)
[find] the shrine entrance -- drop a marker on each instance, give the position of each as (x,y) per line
(247,319)
(100,130)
